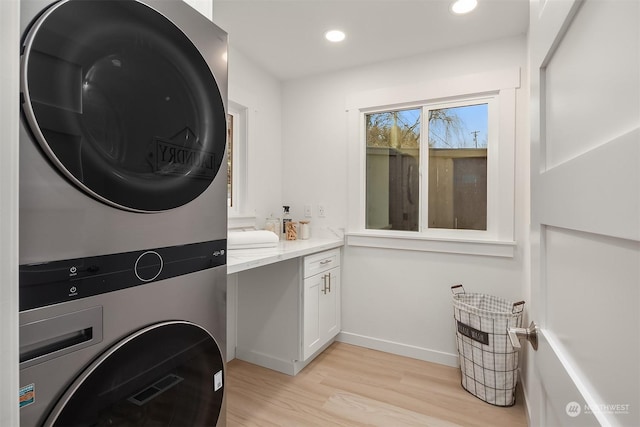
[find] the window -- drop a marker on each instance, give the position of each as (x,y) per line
(458,141)
(230,152)
(236,159)
(393,159)
(433,165)
(454,145)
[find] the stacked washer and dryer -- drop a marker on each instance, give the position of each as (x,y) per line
(122,214)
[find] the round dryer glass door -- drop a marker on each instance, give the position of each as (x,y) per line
(169,374)
(123,103)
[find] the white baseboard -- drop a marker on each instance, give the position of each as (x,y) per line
(267,361)
(525,397)
(289,367)
(400,349)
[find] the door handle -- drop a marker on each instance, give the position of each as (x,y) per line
(530,334)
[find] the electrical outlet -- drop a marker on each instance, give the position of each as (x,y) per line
(308,213)
(322,211)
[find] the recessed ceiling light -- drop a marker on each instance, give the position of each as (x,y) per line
(463,6)
(334,36)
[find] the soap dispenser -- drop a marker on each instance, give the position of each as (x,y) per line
(286,217)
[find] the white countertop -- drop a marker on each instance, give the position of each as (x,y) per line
(245,259)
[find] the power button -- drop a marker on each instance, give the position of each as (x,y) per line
(148,266)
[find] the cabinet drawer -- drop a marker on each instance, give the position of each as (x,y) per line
(323,261)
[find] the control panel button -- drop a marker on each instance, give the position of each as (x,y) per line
(148,266)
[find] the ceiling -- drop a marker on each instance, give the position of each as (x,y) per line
(286,37)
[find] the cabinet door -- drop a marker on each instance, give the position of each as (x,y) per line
(321,310)
(330,305)
(311,315)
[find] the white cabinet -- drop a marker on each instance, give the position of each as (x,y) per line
(321,299)
(289,311)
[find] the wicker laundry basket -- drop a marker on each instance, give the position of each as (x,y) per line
(488,361)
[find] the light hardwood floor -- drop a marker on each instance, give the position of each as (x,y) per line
(354,386)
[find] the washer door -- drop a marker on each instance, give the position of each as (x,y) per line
(169,374)
(123,103)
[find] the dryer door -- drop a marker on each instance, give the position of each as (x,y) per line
(168,374)
(122,103)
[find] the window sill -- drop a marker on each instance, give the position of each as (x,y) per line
(240,222)
(402,241)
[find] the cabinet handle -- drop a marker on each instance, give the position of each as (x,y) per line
(324,284)
(329,281)
(325,262)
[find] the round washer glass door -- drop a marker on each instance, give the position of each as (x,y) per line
(122,103)
(169,374)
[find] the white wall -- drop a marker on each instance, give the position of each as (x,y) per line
(9,41)
(261,93)
(205,7)
(398,301)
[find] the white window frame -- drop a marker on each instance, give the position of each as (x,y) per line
(493,146)
(498,240)
(237,217)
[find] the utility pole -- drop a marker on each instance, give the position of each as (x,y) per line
(475,137)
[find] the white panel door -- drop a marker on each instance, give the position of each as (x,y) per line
(585,212)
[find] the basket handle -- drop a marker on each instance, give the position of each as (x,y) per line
(457,289)
(517,307)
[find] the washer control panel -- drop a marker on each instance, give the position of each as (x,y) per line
(53,282)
